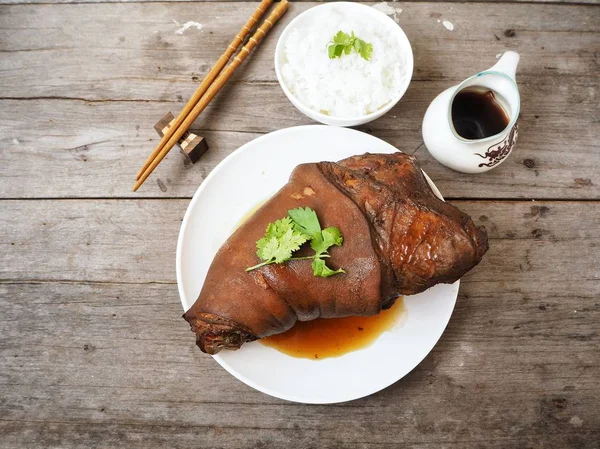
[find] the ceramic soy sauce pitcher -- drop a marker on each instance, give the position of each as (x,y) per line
(480,147)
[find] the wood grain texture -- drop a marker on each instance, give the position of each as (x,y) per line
(75,141)
(396,4)
(93,350)
(113,240)
(96,123)
(105,365)
(131,51)
(112,363)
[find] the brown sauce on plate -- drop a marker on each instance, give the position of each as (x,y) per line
(333,337)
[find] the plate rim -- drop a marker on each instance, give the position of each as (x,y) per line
(178,268)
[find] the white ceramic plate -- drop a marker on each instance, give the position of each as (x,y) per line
(251,175)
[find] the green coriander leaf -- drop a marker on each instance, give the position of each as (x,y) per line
(332,236)
(343,43)
(328,237)
(341,38)
(331,51)
(284,236)
(317,244)
(366,50)
(306,221)
(289,242)
(279,227)
(280,241)
(266,248)
(320,269)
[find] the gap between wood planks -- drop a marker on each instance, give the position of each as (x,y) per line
(95,2)
(88,2)
(86,100)
(78,282)
(186,198)
(523,79)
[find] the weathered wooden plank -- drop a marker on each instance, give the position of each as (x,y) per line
(131,51)
(395,4)
(91,324)
(106,364)
(556,156)
(90,240)
(93,352)
(108,361)
(93,149)
(134,241)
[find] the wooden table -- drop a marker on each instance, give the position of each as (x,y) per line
(93,350)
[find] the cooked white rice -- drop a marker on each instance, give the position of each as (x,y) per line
(349,86)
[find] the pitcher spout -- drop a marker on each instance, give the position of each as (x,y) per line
(507,64)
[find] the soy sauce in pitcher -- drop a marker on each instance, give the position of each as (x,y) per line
(477,113)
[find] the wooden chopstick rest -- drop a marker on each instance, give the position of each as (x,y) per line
(191,145)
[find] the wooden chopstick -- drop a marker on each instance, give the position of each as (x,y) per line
(215,88)
(208,80)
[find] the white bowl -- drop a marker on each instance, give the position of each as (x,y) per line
(363,11)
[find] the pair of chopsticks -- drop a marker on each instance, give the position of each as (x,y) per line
(212,84)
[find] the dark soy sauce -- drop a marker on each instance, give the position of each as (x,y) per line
(477,113)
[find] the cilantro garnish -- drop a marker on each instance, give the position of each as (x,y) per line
(285,236)
(344,43)
(305,221)
(280,241)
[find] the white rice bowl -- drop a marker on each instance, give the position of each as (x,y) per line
(348,87)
